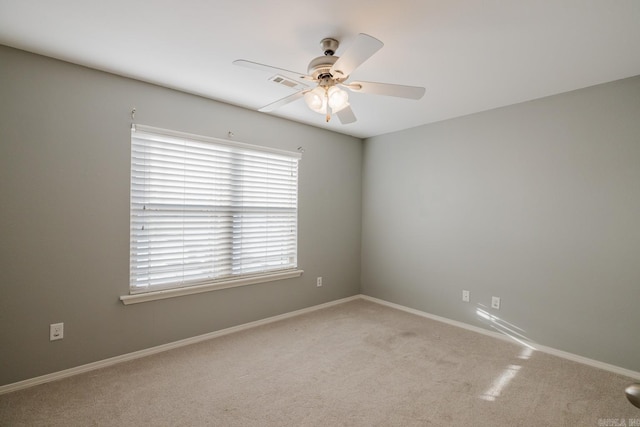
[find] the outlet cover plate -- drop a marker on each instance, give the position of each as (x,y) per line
(465,296)
(56,331)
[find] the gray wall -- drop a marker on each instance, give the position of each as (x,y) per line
(64,216)
(537,203)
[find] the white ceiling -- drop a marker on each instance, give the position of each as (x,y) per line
(470,55)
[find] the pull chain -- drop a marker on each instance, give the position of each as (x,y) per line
(326,97)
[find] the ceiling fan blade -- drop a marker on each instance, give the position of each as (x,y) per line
(363,47)
(282,102)
(386,89)
(268,68)
(346,115)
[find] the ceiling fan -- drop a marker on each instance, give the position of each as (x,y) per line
(330,74)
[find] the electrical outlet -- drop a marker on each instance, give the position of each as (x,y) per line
(495,303)
(319,281)
(56,331)
(465,296)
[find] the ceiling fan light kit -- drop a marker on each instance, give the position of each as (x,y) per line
(330,73)
(323,98)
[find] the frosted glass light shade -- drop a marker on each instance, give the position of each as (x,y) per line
(316,99)
(338,99)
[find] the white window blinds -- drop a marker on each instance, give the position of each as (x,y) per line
(204,210)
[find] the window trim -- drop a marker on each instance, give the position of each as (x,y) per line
(221,283)
(208,287)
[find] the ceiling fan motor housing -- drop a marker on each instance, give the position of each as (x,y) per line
(321,66)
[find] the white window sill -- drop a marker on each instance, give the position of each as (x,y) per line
(208,287)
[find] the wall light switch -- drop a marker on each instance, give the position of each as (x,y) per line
(495,303)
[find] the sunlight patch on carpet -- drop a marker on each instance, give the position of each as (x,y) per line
(500,383)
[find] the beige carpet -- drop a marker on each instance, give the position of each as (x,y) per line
(355,364)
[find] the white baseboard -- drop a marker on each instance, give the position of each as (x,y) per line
(538,347)
(8,388)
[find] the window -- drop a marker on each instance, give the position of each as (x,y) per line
(209,211)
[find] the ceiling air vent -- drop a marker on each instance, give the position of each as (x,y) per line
(281,80)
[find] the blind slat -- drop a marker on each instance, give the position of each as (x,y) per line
(203,210)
